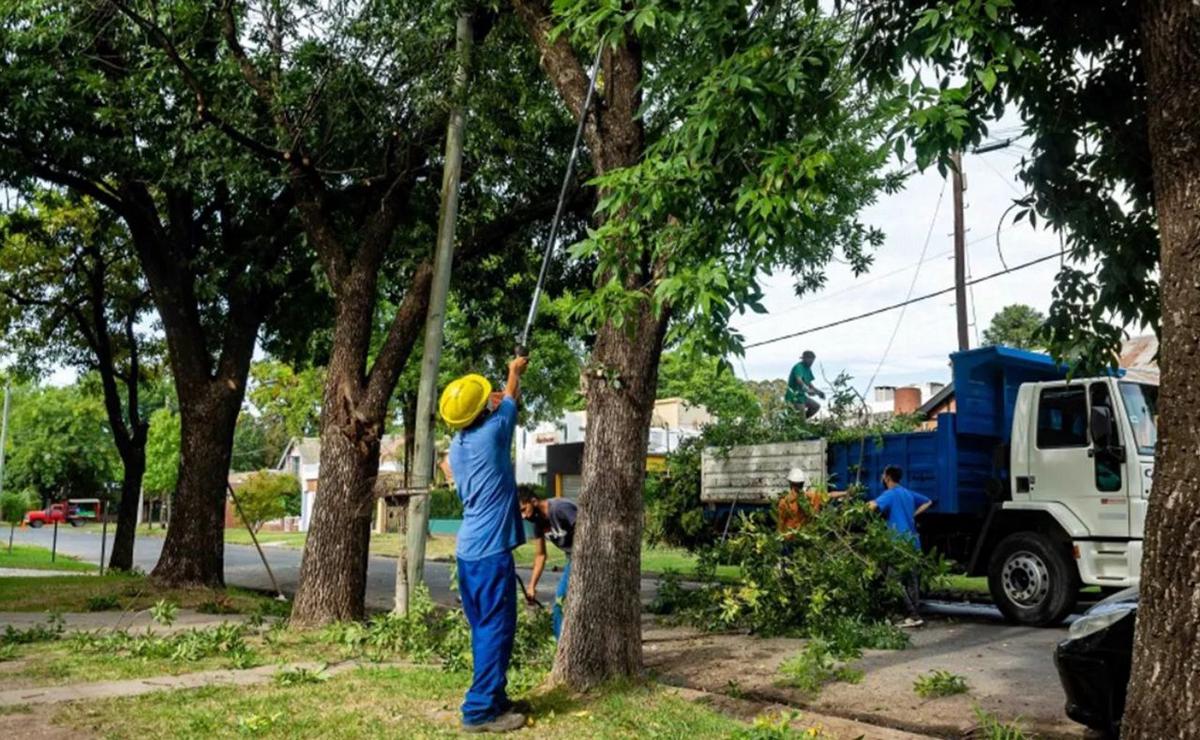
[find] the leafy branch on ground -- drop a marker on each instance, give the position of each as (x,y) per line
(164,612)
(817,665)
(839,577)
(939,683)
(989,727)
(300,676)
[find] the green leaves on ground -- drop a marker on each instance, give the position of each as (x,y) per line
(938,683)
(816,666)
(834,577)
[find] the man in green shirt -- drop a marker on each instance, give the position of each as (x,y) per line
(800,385)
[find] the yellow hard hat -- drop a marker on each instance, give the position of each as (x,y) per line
(463,400)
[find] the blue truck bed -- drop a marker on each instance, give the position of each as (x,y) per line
(954,463)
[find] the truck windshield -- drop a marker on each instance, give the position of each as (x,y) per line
(1141,403)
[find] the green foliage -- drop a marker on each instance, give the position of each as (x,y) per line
(15,504)
(429,633)
(816,666)
(49,631)
(187,646)
(1017,326)
(989,727)
(300,677)
(162,453)
(758,158)
(105,603)
(265,495)
(773,727)
(164,612)
(258,724)
(708,382)
(444,503)
(284,403)
(60,444)
(842,570)
(1077,81)
(938,683)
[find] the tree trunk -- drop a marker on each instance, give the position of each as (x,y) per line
(1164,691)
(194,552)
(602,635)
(127,511)
(333,573)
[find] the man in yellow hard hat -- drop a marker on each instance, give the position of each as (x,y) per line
(481,459)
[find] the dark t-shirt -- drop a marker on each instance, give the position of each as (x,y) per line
(559,524)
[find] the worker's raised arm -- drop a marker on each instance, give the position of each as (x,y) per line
(539,565)
(512,388)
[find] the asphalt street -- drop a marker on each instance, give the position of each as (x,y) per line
(244,568)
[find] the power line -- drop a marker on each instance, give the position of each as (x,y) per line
(911,287)
(908,302)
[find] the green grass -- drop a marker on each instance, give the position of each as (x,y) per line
(939,683)
(975,585)
(389,702)
(32,557)
(73,594)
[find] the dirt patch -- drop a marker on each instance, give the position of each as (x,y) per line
(29,726)
(1008,669)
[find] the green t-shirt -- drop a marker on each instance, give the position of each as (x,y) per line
(798,381)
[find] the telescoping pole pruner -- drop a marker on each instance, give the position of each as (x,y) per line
(523,341)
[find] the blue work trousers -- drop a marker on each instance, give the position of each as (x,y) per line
(560,598)
(488,588)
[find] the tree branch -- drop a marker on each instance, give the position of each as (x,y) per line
(402,337)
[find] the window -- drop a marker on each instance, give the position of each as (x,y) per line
(1107,464)
(1141,403)
(1062,418)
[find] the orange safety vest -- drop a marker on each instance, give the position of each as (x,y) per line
(791,515)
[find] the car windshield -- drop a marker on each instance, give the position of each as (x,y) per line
(1141,403)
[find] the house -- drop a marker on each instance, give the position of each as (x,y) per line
(551,454)
(302,458)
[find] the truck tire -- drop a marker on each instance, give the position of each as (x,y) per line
(76,522)
(36,524)
(1032,579)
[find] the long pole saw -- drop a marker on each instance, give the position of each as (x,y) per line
(523,341)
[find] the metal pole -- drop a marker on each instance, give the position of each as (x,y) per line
(523,341)
(54,543)
(960,254)
(418,507)
(103,532)
(3,434)
(254,539)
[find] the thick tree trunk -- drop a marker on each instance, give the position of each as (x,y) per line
(602,636)
(194,550)
(127,511)
(333,573)
(1164,692)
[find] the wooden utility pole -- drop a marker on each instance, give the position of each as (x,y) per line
(960,254)
(413,560)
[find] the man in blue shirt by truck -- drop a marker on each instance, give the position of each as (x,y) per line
(901,507)
(481,459)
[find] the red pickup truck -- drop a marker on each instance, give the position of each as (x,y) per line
(62,513)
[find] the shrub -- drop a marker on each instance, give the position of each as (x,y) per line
(105,603)
(444,504)
(264,496)
(939,683)
(991,728)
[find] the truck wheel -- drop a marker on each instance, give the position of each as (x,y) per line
(36,524)
(1032,579)
(76,522)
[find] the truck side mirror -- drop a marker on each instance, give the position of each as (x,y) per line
(1101,425)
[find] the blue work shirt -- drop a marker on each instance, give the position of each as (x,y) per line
(481,459)
(899,505)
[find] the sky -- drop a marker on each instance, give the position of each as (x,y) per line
(926,332)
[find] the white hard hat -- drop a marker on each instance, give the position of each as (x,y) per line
(796,475)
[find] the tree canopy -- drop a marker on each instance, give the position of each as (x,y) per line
(1016,325)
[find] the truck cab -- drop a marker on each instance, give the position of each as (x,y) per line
(1081,468)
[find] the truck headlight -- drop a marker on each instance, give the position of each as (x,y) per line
(1090,624)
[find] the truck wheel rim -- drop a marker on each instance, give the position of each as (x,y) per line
(1026,579)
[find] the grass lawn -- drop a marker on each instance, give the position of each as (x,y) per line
(389,702)
(72,593)
(32,557)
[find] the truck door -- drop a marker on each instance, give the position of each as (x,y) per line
(1108,462)
(1065,468)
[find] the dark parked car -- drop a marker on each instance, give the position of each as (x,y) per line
(1093,662)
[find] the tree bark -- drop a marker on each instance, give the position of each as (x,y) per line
(1164,691)
(134,462)
(193,552)
(602,636)
(333,574)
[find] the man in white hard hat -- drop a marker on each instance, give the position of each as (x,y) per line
(791,514)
